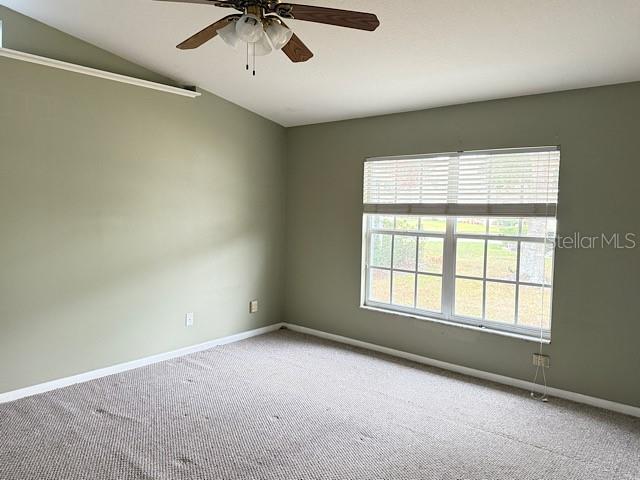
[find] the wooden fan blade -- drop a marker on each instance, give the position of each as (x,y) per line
(206,34)
(295,49)
(330,16)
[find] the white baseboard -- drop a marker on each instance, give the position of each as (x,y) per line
(554,392)
(123,367)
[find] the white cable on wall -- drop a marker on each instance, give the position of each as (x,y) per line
(543,396)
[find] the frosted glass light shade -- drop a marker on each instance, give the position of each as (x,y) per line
(249,28)
(229,35)
(278,34)
(262,46)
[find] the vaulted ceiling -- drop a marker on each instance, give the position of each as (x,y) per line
(426,53)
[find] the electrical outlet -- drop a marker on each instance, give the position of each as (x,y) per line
(253,306)
(188,319)
(543,361)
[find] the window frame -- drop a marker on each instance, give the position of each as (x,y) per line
(448,275)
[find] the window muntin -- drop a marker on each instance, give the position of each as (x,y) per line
(485,271)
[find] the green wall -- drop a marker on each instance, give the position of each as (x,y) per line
(596,326)
(122,209)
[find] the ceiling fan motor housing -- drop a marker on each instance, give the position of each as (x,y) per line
(247,5)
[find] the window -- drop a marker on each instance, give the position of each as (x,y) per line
(465,237)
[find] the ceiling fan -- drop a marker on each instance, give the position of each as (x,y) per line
(261,26)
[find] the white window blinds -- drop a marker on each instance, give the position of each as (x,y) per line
(520,182)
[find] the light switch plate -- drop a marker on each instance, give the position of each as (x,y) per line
(188,319)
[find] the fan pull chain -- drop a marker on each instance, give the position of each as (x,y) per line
(253,57)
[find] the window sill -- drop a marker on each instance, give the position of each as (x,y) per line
(494,331)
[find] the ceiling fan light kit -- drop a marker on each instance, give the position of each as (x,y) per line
(229,36)
(277,33)
(262,47)
(249,28)
(261,28)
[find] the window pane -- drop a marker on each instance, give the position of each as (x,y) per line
(548,263)
(535,267)
(430,255)
(469,298)
(502,259)
(534,307)
(407,223)
(382,222)
(475,225)
(470,258)
(403,289)
(404,252)
(429,293)
(379,285)
(433,224)
(536,227)
(504,226)
(406,268)
(381,250)
(501,302)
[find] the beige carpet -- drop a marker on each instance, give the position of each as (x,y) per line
(288,406)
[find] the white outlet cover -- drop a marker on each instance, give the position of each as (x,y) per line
(541,360)
(188,319)
(253,306)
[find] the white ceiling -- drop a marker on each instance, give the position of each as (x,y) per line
(426,53)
